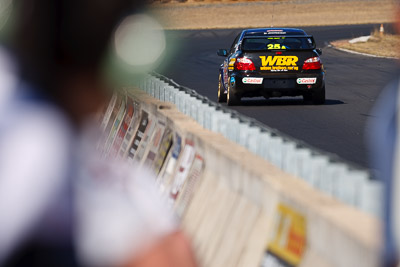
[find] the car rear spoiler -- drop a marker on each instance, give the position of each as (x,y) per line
(277,35)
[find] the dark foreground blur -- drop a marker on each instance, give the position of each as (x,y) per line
(61,204)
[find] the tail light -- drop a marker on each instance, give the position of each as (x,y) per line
(243,63)
(313,63)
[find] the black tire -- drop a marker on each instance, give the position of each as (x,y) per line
(318,96)
(221,93)
(232,99)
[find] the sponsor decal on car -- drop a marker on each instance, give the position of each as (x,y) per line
(225,73)
(275,32)
(233,81)
(279,63)
(306,80)
(251,80)
(288,243)
(231,63)
(275,46)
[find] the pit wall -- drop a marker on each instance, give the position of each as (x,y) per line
(237,208)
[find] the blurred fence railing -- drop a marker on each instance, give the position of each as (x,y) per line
(326,172)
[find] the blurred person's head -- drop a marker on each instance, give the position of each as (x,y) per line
(60,46)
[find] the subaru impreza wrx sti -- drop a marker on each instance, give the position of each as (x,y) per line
(271,62)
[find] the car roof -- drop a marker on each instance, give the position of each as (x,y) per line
(273,31)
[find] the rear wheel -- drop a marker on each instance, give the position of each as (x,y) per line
(232,99)
(221,91)
(318,96)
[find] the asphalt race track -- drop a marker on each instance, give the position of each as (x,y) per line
(353,85)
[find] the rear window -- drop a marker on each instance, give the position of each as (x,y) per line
(278,43)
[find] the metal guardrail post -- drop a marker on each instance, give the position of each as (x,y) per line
(288,157)
(181,101)
(208,117)
(275,151)
(328,182)
(173,95)
(265,138)
(214,119)
(234,129)
(372,197)
(223,121)
(253,139)
(243,133)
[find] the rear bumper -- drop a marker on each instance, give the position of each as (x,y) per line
(276,85)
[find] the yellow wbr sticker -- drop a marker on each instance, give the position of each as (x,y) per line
(289,240)
(279,63)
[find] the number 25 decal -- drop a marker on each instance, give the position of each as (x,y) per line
(275,46)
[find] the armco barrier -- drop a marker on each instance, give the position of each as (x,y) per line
(238,209)
(326,172)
